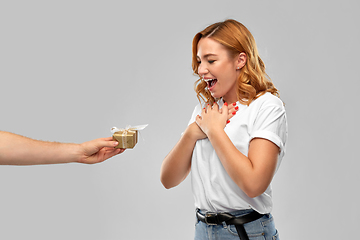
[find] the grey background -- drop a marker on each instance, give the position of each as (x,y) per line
(70,70)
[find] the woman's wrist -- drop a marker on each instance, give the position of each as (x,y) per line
(194,133)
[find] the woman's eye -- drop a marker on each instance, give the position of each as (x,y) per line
(211,61)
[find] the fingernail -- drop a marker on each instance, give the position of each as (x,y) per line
(234,104)
(225,104)
(228,121)
(233,113)
(236,108)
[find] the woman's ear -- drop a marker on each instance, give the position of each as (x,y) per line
(241,60)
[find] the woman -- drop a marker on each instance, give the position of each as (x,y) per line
(232,157)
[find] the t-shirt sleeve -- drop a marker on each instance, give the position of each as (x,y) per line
(271,124)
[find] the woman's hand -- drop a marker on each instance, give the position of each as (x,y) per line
(213,118)
(232,109)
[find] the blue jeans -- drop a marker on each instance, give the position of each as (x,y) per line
(261,229)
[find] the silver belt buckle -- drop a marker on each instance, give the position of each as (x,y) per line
(210,215)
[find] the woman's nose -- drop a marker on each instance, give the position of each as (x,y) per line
(202,70)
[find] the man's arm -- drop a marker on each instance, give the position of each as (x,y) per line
(19,150)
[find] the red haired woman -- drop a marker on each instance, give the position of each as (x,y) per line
(232,157)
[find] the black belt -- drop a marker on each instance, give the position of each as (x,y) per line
(218,218)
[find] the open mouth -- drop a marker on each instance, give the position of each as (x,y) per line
(211,83)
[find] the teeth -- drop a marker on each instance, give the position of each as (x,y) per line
(208,80)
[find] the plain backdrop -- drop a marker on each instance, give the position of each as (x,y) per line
(71,70)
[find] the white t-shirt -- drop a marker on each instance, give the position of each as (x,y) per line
(213,188)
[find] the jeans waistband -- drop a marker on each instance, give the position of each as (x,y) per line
(234,213)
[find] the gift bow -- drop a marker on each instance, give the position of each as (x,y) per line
(128,128)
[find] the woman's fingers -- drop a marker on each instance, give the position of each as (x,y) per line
(232,109)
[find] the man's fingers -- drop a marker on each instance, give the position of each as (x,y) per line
(105,142)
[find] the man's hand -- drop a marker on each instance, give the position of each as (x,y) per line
(98,150)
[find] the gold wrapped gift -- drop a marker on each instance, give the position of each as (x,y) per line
(127,137)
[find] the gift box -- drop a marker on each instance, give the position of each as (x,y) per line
(127,137)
